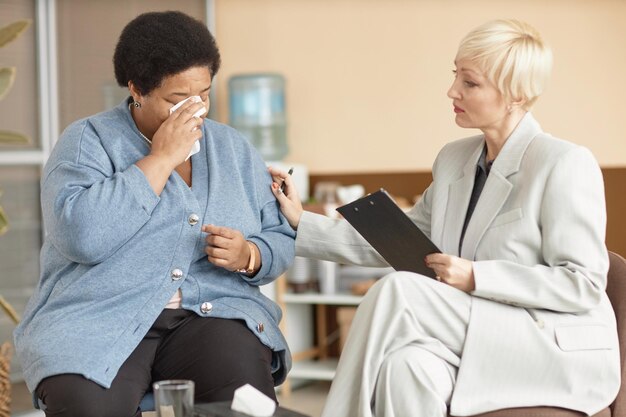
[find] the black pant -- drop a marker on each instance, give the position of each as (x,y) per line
(219,355)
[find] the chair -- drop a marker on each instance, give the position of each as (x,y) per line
(147,402)
(616,290)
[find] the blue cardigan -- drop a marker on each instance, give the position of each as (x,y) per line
(111,245)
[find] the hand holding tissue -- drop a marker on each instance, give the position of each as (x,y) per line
(196,145)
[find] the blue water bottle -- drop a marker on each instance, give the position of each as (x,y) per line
(257,109)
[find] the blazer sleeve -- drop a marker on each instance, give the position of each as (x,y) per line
(321,237)
(571,274)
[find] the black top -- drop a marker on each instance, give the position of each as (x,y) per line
(482,172)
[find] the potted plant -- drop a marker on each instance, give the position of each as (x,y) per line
(7,76)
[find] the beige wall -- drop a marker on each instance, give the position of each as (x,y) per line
(367,79)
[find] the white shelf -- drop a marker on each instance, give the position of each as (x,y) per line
(323,370)
(318,369)
(317,298)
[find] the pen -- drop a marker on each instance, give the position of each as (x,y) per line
(282,186)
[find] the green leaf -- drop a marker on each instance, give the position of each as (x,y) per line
(13,138)
(7,76)
(12,31)
(4,222)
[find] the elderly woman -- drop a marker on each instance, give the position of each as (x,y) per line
(518,315)
(161,227)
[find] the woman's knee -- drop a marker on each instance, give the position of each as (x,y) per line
(230,356)
(81,407)
(396,283)
(389,280)
(72,395)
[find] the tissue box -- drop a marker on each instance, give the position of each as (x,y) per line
(251,401)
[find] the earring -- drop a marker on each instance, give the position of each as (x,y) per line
(137,104)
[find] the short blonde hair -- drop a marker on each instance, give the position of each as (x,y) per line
(512,55)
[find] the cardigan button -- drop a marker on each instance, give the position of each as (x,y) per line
(176,274)
(206,307)
(193,219)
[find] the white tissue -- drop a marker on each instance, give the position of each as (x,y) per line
(251,401)
(196,145)
(194,149)
(195,99)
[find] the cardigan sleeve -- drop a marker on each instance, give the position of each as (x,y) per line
(275,239)
(89,209)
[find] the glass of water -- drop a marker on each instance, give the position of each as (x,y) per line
(173,398)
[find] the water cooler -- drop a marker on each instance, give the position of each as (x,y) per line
(257,109)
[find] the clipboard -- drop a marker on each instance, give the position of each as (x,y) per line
(390,231)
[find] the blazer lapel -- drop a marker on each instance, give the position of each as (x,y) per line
(459,194)
(498,187)
(494,195)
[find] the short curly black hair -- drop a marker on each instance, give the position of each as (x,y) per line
(156,45)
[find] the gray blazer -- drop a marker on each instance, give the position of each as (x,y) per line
(542,330)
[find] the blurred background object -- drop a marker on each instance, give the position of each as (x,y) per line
(257,109)
(299,275)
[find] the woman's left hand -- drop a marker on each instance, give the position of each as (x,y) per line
(226,247)
(452,270)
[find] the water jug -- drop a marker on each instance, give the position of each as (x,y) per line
(257,110)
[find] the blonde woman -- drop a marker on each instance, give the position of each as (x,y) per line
(519,315)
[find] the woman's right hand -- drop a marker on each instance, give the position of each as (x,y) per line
(289,200)
(171,144)
(176,135)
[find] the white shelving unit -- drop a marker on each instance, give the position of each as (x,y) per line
(320,368)
(344,299)
(313,363)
